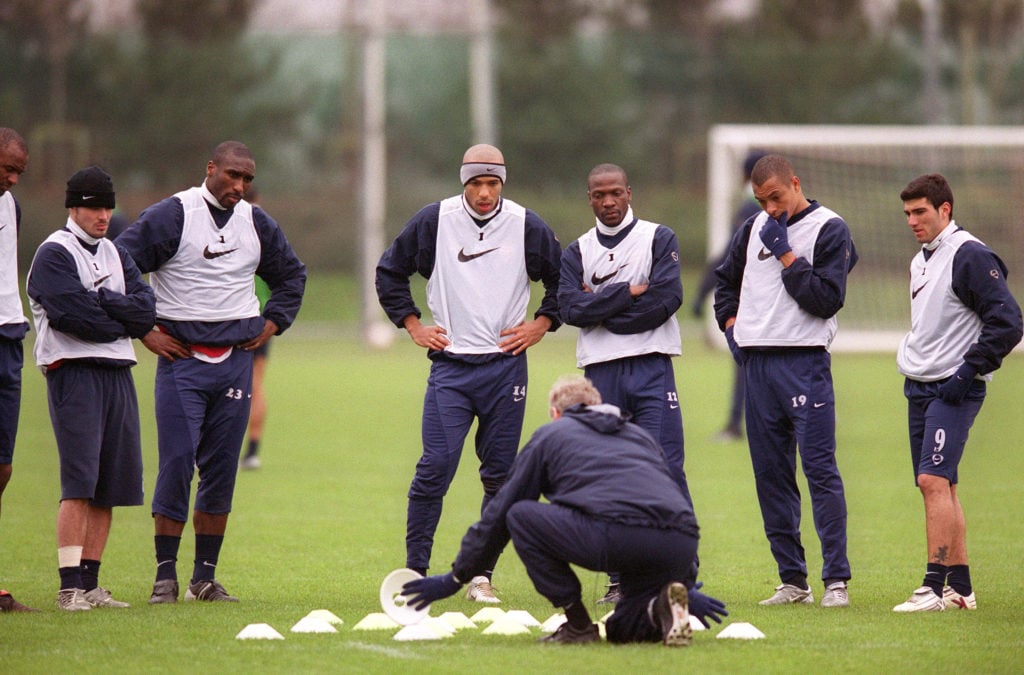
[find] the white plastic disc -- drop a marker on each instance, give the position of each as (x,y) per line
(393,602)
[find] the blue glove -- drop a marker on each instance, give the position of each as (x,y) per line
(953,390)
(420,593)
(773,235)
(705,607)
(737,352)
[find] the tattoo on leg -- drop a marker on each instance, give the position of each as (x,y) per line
(941,555)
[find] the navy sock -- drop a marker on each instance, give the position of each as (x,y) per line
(577,616)
(207,553)
(960,579)
(90,574)
(166,556)
(70,577)
(935,577)
(254,447)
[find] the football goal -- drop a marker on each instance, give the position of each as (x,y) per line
(859,171)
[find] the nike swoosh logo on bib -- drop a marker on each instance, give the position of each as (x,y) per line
(100,281)
(597,281)
(764,254)
(466,257)
(210,255)
(913,293)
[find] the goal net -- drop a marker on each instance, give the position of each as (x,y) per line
(859,171)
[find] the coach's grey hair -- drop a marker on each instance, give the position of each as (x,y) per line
(570,390)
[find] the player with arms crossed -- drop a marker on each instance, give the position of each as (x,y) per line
(963,323)
(88,302)
(779,289)
(479,252)
(620,285)
(202,248)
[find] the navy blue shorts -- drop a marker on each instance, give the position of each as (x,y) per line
(95,418)
(202,410)
(11,361)
(938,430)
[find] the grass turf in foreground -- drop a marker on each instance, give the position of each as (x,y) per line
(323,522)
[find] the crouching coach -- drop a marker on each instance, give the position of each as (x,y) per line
(613,506)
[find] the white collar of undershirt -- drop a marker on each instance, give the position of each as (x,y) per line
(208,196)
(477,216)
(81,234)
(612,231)
(941,236)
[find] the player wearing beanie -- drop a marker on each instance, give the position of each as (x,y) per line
(88,302)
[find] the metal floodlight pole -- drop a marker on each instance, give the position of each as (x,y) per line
(374,193)
(481,73)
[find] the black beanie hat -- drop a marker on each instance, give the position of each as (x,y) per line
(92,187)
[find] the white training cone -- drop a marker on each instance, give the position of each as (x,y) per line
(417,631)
(393,602)
(695,623)
(313,625)
(553,622)
(505,625)
(376,621)
(325,615)
(487,614)
(259,631)
(439,626)
(523,617)
(457,620)
(741,630)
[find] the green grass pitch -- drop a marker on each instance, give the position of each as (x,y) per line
(322,523)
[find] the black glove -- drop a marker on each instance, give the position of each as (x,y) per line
(953,390)
(420,593)
(773,235)
(705,607)
(737,351)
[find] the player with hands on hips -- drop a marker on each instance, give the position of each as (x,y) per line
(963,322)
(479,253)
(612,504)
(203,248)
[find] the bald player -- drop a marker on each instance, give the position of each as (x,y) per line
(479,252)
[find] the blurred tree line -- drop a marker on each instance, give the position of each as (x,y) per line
(578,82)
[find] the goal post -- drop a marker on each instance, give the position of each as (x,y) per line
(859,171)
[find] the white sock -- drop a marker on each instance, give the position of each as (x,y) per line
(69,556)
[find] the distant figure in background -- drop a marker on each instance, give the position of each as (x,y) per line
(963,323)
(13,324)
(733,430)
(88,302)
(261,357)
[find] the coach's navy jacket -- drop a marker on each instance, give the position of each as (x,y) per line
(593,460)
